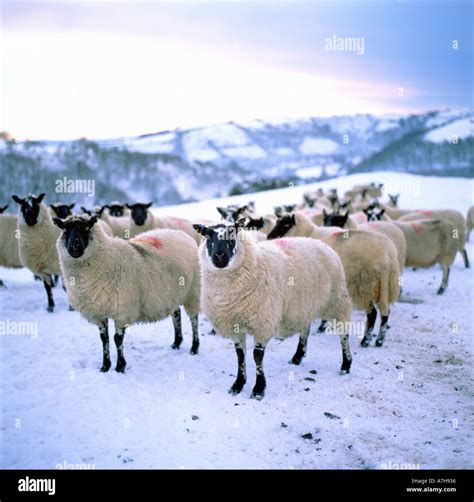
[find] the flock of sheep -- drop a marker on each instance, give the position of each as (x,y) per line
(266,276)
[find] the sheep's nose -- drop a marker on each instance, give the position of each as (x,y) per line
(220,256)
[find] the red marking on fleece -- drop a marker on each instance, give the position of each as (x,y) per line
(336,234)
(417,227)
(428,213)
(153,241)
(284,243)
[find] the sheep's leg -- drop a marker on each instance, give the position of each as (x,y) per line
(444,282)
(465,258)
(118,339)
(104,336)
(239,383)
(259,388)
(195,326)
(2,284)
(301,349)
(49,293)
(346,354)
(369,327)
(322,326)
(178,334)
(383,330)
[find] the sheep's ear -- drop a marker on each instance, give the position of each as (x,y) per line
(149,205)
(200,229)
(40,198)
(18,200)
(3,208)
(59,223)
(293,219)
(92,221)
(129,206)
(100,210)
(72,205)
(366,210)
(222,211)
(380,185)
(345,216)
(381,212)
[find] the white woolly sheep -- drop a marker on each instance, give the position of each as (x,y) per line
(429,242)
(455,217)
(9,252)
(269,289)
(37,241)
(119,226)
(144,279)
(370,262)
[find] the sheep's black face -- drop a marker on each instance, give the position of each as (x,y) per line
(283,225)
(62,210)
(76,233)
(221,243)
(116,209)
(139,212)
(335,220)
(374,214)
(30,208)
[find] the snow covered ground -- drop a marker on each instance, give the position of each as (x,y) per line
(409,402)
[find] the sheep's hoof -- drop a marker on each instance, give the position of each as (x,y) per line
(236,388)
(71,308)
(194,350)
(105,366)
(296,360)
(346,366)
(379,342)
(365,342)
(175,346)
(2,284)
(441,290)
(50,308)
(257,394)
(121,364)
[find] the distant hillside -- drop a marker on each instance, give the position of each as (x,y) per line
(194,164)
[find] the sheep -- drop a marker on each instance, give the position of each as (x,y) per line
(9,252)
(430,242)
(455,217)
(37,241)
(61,210)
(142,220)
(269,289)
(469,221)
(118,209)
(370,262)
(119,226)
(140,280)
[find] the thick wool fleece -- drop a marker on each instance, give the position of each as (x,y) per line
(141,280)
(274,288)
(429,242)
(37,245)
(370,261)
(392,232)
(9,252)
(119,225)
(455,217)
(469,221)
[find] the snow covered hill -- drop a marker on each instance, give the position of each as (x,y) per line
(194,164)
(405,405)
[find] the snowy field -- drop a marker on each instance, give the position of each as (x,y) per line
(407,404)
